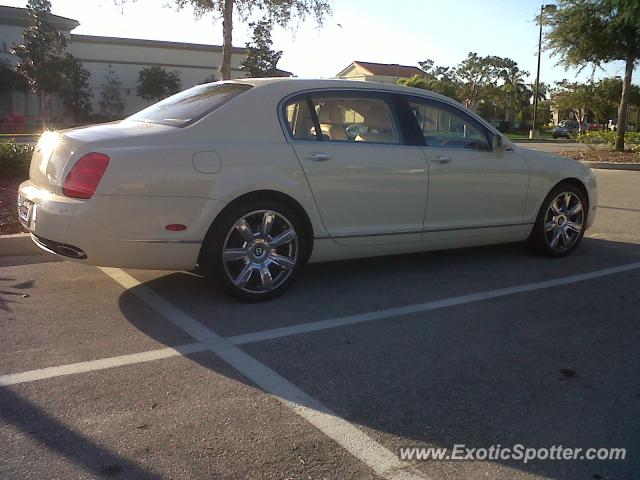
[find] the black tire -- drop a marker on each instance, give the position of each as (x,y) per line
(541,239)
(224,233)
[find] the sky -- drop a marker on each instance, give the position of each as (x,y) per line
(386,31)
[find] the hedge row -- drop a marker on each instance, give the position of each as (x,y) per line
(15,159)
(631,139)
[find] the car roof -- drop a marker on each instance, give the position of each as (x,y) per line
(301,84)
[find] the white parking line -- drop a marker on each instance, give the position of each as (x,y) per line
(383,462)
(102,364)
(360,445)
(197,330)
(423,307)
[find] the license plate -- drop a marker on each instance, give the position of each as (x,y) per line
(25,210)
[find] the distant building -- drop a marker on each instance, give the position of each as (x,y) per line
(378,72)
(282,73)
(125,56)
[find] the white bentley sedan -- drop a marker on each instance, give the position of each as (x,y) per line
(250,179)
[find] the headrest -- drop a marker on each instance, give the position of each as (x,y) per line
(330,113)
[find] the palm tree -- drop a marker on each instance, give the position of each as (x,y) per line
(514,86)
(415,82)
(543,91)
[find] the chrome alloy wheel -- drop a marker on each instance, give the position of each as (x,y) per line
(563,221)
(260,251)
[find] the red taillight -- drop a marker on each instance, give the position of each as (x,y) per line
(84,177)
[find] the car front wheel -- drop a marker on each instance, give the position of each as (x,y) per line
(256,250)
(561,221)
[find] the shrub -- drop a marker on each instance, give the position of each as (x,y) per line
(14,159)
(631,139)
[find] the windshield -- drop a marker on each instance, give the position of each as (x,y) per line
(191,105)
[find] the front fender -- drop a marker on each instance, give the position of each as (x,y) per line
(547,170)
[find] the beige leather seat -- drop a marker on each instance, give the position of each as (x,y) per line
(380,127)
(331,118)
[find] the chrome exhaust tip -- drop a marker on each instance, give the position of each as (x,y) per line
(58,248)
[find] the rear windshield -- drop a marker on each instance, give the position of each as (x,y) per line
(191,105)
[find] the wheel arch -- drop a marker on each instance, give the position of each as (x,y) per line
(265,195)
(576,182)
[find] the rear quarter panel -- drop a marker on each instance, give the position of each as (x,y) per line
(248,141)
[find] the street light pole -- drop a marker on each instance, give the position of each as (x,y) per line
(533,133)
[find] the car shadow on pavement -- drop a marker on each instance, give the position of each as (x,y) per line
(544,368)
(56,437)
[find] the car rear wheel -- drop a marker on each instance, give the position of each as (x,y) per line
(256,250)
(561,221)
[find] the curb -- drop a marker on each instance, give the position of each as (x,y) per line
(17,245)
(613,166)
(542,140)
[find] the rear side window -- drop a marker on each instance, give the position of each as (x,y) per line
(191,105)
(341,117)
(355,119)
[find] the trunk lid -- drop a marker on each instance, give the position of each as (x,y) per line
(55,151)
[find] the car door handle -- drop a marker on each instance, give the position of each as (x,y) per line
(318,157)
(441,160)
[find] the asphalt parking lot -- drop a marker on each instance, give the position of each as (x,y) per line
(107,373)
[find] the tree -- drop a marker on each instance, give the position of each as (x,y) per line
(477,74)
(598,32)
(155,83)
(10,80)
(111,102)
(74,89)
(514,86)
(440,79)
(428,82)
(261,60)
(543,91)
(281,12)
(415,82)
(575,97)
(42,51)
(606,95)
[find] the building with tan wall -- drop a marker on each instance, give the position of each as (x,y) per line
(378,72)
(125,56)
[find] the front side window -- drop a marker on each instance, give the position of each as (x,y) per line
(191,105)
(445,126)
(355,119)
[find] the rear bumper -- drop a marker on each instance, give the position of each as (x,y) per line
(119,231)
